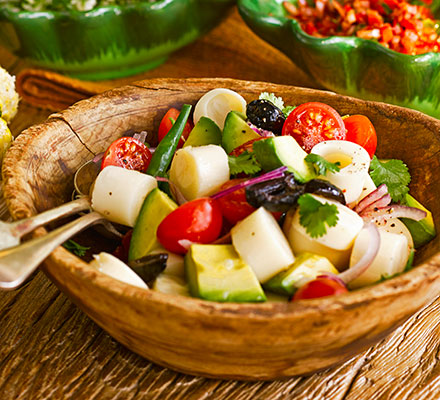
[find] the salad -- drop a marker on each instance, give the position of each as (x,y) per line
(255,202)
(400,25)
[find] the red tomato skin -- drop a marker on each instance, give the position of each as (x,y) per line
(234,206)
(319,287)
(312,123)
(129,153)
(360,130)
(199,221)
(166,124)
(248,146)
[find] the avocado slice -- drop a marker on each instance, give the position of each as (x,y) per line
(307,266)
(215,272)
(205,132)
(422,231)
(155,208)
(280,151)
(236,131)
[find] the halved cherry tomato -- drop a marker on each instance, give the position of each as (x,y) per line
(360,130)
(322,286)
(312,123)
(198,221)
(168,121)
(128,153)
(234,206)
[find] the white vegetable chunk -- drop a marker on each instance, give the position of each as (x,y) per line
(171,284)
(199,171)
(217,103)
(175,263)
(118,194)
(367,188)
(336,244)
(395,225)
(114,267)
(391,258)
(259,241)
(354,160)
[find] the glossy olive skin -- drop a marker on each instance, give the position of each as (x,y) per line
(264,114)
(282,194)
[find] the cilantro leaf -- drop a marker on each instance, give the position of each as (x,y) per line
(287,110)
(75,248)
(245,162)
(394,174)
(321,165)
(277,101)
(314,215)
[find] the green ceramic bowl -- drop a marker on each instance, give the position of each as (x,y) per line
(108,42)
(350,65)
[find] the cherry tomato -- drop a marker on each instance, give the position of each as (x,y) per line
(312,123)
(168,121)
(199,221)
(234,206)
(322,286)
(360,130)
(129,153)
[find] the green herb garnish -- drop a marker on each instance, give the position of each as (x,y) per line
(315,216)
(394,174)
(245,162)
(75,248)
(278,102)
(321,165)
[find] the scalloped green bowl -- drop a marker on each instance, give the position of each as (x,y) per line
(350,65)
(108,42)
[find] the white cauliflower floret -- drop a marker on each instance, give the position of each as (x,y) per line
(8,96)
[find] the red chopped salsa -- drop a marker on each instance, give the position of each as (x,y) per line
(395,24)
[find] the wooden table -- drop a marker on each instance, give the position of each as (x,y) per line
(50,349)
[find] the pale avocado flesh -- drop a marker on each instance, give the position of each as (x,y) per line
(217,273)
(307,266)
(155,208)
(205,132)
(236,131)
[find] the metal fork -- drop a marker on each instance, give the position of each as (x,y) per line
(17,263)
(12,232)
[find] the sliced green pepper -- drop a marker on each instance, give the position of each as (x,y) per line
(163,155)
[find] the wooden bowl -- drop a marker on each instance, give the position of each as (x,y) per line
(232,341)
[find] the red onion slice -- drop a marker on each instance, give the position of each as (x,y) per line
(375,195)
(393,211)
(362,265)
(141,136)
(225,239)
(381,203)
(276,173)
(185,243)
(177,194)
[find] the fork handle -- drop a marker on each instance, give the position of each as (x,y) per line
(17,263)
(27,225)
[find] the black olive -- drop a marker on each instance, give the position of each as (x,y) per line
(325,189)
(278,195)
(264,114)
(150,266)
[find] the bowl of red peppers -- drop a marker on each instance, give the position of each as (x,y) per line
(381,50)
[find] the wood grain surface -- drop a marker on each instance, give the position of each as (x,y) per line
(50,349)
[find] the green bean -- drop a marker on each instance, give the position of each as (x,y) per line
(165,150)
